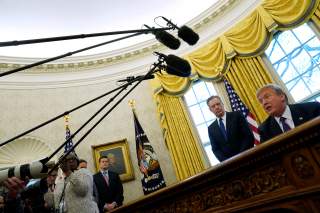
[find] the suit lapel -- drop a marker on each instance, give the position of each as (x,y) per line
(275,127)
(296,116)
(228,124)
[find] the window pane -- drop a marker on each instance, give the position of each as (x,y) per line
(299,68)
(196,114)
(203,133)
(286,70)
(276,53)
(313,47)
(211,89)
(298,89)
(212,158)
(288,41)
(302,61)
(190,98)
(201,91)
(208,115)
(312,79)
(304,32)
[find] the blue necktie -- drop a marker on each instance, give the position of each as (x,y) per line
(284,124)
(223,129)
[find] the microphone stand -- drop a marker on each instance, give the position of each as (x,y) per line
(70,37)
(65,55)
(138,79)
(138,32)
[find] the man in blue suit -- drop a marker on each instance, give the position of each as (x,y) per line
(109,187)
(282,117)
(230,133)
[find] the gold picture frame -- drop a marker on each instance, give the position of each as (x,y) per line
(119,157)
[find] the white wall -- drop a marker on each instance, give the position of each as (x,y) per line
(23,109)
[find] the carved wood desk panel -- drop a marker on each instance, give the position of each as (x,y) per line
(282,174)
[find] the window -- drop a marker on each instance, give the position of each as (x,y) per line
(196,100)
(295,55)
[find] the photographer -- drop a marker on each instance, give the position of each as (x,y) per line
(73,192)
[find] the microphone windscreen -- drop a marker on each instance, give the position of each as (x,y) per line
(188,35)
(167,39)
(178,66)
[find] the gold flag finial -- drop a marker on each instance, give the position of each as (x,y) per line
(66,118)
(132,103)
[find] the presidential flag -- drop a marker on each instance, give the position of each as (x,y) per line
(237,105)
(151,174)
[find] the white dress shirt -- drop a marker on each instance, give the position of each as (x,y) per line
(288,116)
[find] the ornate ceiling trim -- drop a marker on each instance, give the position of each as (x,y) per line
(132,60)
(113,57)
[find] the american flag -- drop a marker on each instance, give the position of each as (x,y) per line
(237,105)
(69,144)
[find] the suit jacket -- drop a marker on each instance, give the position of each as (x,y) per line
(239,135)
(300,113)
(111,193)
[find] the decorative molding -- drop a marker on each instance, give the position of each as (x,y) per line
(23,150)
(260,182)
(302,167)
(76,64)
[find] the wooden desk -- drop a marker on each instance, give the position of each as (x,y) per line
(282,174)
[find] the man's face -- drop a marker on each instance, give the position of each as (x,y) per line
(52,177)
(104,163)
(73,164)
(83,165)
(216,107)
(273,103)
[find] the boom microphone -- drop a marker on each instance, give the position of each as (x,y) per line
(176,65)
(34,170)
(166,39)
(185,33)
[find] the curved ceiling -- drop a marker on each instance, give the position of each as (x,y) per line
(33,19)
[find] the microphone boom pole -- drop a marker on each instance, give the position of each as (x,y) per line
(70,37)
(65,55)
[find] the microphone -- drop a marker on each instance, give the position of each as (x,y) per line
(185,33)
(176,65)
(166,39)
(37,169)
(131,78)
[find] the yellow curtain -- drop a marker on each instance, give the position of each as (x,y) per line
(234,54)
(316,17)
(182,144)
(246,76)
(248,38)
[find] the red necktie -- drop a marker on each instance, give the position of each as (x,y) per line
(106,177)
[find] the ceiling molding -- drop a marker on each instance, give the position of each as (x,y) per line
(135,59)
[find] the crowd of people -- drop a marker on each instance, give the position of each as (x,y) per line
(76,190)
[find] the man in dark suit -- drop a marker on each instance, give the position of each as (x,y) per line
(230,133)
(282,117)
(109,187)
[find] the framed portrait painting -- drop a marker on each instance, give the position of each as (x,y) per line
(119,158)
